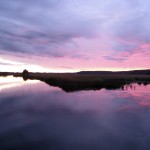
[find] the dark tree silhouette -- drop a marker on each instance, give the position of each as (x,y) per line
(25,72)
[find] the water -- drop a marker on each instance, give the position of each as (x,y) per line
(36,116)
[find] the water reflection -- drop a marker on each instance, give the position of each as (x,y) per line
(136,91)
(136,87)
(11,82)
(37,116)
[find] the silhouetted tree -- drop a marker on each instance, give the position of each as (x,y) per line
(25,72)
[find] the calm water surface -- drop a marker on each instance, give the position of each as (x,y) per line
(36,116)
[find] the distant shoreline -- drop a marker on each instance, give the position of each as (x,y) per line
(71,82)
(131,72)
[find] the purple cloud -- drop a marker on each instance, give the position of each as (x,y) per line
(49,27)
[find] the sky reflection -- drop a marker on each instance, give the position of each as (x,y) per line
(38,116)
(11,82)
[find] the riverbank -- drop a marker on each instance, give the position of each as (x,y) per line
(71,82)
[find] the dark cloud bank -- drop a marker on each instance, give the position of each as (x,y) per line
(48,27)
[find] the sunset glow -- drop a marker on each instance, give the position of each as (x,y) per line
(70,36)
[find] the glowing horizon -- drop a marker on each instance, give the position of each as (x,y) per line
(19,67)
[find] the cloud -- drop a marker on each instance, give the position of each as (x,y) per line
(131,29)
(42,28)
(50,27)
(5,64)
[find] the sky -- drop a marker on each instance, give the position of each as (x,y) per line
(74,35)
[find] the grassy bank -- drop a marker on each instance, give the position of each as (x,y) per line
(70,82)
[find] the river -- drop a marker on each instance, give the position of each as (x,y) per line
(36,116)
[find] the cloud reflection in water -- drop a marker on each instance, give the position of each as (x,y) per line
(37,116)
